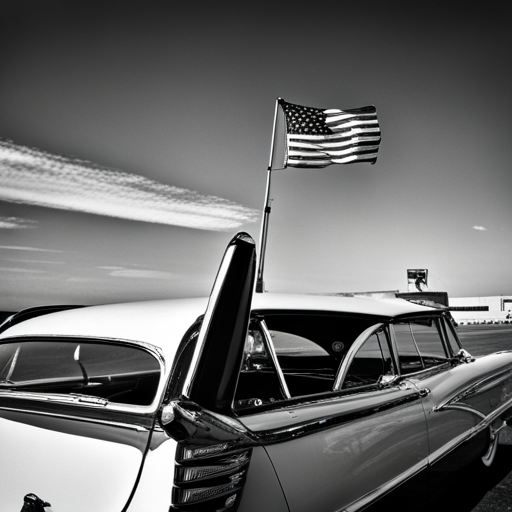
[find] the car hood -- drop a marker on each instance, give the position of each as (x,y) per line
(74,464)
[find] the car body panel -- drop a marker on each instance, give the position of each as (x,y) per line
(465,399)
(161,323)
(336,450)
(154,489)
(355,444)
(263,491)
(73,463)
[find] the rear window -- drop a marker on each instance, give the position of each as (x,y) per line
(118,373)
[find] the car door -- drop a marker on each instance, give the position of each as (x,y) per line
(463,398)
(343,448)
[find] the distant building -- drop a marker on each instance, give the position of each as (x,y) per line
(464,309)
(496,308)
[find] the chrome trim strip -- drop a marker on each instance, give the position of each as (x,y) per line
(437,455)
(273,356)
(497,412)
(461,407)
(481,385)
(384,489)
(454,443)
(138,428)
(358,342)
(395,482)
(485,423)
(415,343)
(324,421)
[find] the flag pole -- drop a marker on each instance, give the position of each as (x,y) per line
(260,286)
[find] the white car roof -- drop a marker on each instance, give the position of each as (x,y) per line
(163,323)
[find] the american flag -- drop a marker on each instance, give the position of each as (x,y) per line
(317,138)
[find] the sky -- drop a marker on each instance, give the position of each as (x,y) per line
(135,140)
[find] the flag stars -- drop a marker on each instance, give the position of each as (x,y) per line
(305,120)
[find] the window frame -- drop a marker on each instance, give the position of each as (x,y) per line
(272,351)
(448,327)
(39,396)
(354,349)
(378,323)
(439,321)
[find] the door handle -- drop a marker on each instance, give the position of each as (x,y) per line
(424,392)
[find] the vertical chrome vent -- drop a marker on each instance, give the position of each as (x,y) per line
(212,459)
(206,482)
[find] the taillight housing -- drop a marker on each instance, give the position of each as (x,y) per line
(209,482)
(212,459)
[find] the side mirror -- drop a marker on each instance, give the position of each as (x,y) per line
(385,380)
(464,356)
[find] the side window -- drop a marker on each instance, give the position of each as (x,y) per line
(259,382)
(290,355)
(119,373)
(311,346)
(419,344)
(371,362)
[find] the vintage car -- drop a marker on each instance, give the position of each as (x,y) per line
(248,402)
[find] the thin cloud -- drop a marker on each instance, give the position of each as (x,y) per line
(479,228)
(16,223)
(44,262)
(142,274)
(31,176)
(31,249)
(10,270)
(116,271)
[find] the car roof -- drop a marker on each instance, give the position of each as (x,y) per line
(336,303)
(163,323)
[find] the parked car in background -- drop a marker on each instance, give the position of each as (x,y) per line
(242,402)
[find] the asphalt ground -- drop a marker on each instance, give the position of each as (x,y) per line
(483,491)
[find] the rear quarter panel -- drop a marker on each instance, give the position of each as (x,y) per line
(465,400)
(262,491)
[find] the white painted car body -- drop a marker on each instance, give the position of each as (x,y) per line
(220,407)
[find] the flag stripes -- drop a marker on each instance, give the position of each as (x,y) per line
(317,138)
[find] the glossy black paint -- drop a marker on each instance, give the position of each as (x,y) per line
(215,378)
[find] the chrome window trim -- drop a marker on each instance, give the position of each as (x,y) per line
(347,360)
(416,346)
(440,321)
(273,356)
(112,406)
(395,345)
(446,338)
